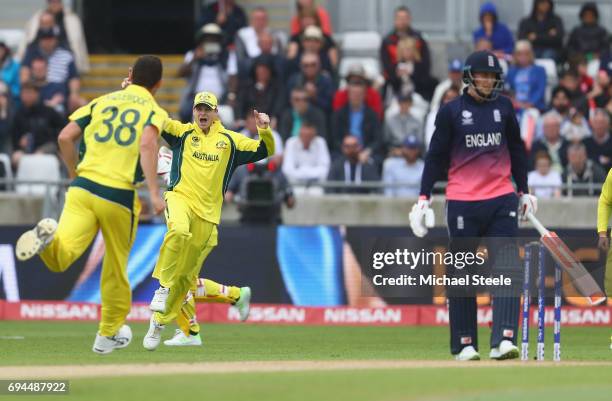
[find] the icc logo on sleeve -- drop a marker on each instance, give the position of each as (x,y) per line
(466,118)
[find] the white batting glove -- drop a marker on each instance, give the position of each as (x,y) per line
(527,204)
(164,163)
(421,218)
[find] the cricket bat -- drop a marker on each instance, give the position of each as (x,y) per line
(581,278)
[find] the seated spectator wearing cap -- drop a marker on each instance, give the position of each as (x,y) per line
(301,110)
(582,171)
(61,67)
(250,131)
(430,121)
(308,7)
(248,40)
(35,127)
(495,31)
(402,28)
(359,120)
(312,40)
(52,94)
(588,39)
(551,142)
(226,14)
(405,170)
(71,33)
(262,91)
(351,169)
(526,80)
(544,29)
(455,78)
(318,83)
(544,182)
(357,74)
(599,145)
(410,74)
(9,71)
(306,159)
(401,125)
(208,67)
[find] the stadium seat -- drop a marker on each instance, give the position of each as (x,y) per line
(370,64)
(12,37)
(226,114)
(8,173)
(38,167)
(551,75)
(361,44)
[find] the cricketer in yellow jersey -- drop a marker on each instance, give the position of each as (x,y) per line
(119,134)
(604,209)
(205,155)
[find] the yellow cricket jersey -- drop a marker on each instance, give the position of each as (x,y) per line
(604,206)
(202,164)
(113,123)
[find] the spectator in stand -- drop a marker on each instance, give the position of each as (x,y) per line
(483,44)
(551,142)
(35,127)
(250,131)
(389,49)
(71,34)
(401,125)
(262,91)
(410,74)
(544,182)
(301,110)
(430,121)
(496,32)
(582,171)
(560,101)
(350,169)
(306,159)
(6,117)
(61,67)
(589,39)
(306,7)
(544,29)
(455,78)
(248,40)
(599,145)
(526,80)
(359,120)
(406,170)
(227,15)
(9,71)
(599,96)
(356,74)
(312,40)
(267,44)
(209,66)
(317,83)
(570,80)
(576,127)
(52,94)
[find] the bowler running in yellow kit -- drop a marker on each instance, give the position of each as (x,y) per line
(119,134)
(205,154)
(604,210)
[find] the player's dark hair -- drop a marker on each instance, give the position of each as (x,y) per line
(147,71)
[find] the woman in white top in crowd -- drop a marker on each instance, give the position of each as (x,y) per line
(544,182)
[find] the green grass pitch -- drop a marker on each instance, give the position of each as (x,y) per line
(58,343)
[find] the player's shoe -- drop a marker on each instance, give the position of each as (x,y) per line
(181,340)
(505,350)
(106,345)
(153,337)
(158,303)
(468,353)
(244,303)
(35,240)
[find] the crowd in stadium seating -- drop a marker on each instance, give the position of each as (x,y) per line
(337,122)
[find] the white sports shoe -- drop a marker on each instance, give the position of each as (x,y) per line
(468,353)
(505,350)
(181,340)
(244,303)
(35,240)
(106,345)
(153,337)
(158,303)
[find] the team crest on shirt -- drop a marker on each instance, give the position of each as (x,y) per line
(466,118)
(496,116)
(222,145)
(195,141)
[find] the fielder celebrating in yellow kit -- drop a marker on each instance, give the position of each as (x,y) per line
(604,209)
(205,155)
(119,143)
